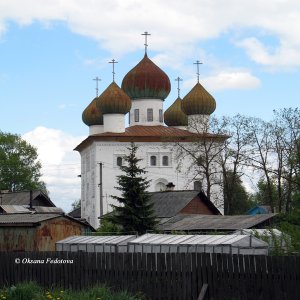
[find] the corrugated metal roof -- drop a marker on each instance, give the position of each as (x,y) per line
(169,239)
(46,209)
(108,240)
(211,222)
(26,218)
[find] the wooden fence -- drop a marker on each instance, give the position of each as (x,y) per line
(159,276)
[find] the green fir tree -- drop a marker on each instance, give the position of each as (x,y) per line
(135,213)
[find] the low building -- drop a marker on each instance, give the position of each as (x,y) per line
(37,231)
(168,204)
(206,223)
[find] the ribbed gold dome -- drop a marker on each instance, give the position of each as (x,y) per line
(174,116)
(198,101)
(114,100)
(92,114)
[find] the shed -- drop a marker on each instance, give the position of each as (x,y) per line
(259,209)
(231,244)
(95,243)
(37,232)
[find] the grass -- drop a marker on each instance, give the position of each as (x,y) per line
(32,291)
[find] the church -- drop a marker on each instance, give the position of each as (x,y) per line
(155,131)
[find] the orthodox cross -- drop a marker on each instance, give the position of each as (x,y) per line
(198,63)
(146,37)
(178,79)
(113,62)
(97,79)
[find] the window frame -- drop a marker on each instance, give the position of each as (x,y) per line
(136,115)
(155,160)
(149,114)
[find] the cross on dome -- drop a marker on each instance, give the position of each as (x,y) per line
(198,63)
(178,79)
(113,62)
(97,79)
(146,38)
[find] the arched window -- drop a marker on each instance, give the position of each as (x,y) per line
(165,160)
(153,160)
(160,186)
(119,161)
(161,116)
(197,185)
(136,115)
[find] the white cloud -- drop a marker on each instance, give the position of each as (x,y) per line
(176,25)
(60,164)
(226,80)
(283,56)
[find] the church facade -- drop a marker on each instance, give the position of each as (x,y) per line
(155,132)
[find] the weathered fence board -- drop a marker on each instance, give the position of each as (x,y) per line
(159,276)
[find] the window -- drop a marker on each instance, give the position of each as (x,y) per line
(152,160)
(161,115)
(129,118)
(165,160)
(150,115)
(119,161)
(197,185)
(136,115)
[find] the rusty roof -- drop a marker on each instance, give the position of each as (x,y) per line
(159,133)
(212,222)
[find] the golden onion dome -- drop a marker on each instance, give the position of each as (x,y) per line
(114,100)
(174,116)
(92,115)
(198,101)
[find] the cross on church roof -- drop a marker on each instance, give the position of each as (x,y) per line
(178,79)
(97,79)
(198,63)
(146,37)
(113,62)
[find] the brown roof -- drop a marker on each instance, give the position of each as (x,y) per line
(158,133)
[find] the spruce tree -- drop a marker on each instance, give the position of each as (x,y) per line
(135,213)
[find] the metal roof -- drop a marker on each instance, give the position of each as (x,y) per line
(11,209)
(107,240)
(212,222)
(170,239)
(158,133)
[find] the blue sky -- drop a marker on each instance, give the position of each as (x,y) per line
(51,50)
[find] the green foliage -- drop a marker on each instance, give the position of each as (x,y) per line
(27,291)
(19,166)
(135,213)
(108,228)
(236,199)
(279,245)
(262,196)
(76,204)
(290,224)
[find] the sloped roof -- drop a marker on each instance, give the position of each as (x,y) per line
(33,219)
(20,209)
(169,203)
(212,222)
(23,198)
(75,213)
(159,133)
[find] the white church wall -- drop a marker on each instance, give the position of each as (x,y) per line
(143,105)
(109,152)
(114,122)
(95,129)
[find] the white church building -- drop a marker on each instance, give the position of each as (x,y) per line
(154,131)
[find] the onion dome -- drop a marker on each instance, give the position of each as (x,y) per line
(146,80)
(92,114)
(198,101)
(174,116)
(114,101)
